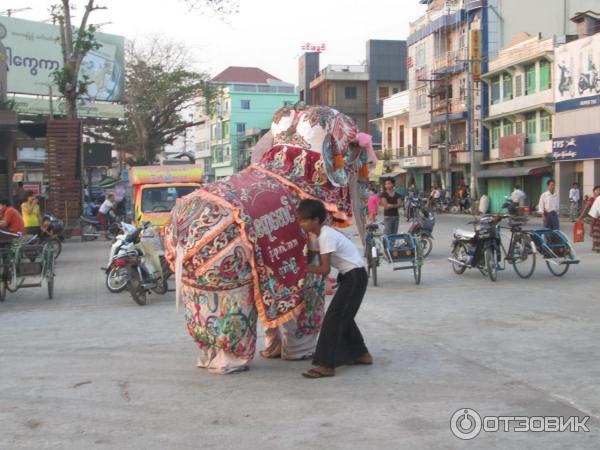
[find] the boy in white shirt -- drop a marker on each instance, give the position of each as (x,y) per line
(340,341)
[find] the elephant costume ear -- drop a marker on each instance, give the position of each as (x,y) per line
(342,131)
(262,146)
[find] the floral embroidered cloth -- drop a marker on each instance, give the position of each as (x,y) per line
(249,213)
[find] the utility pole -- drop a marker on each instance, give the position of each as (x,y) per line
(446,165)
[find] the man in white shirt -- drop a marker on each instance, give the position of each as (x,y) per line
(574,197)
(103,213)
(549,207)
(518,196)
(340,341)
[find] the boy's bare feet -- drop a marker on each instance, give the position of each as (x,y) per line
(319,372)
(365,359)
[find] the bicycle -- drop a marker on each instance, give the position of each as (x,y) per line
(521,248)
(402,250)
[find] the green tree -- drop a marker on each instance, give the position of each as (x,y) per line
(160,91)
(75,44)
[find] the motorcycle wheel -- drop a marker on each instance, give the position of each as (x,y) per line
(490,263)
(460,253)
(523,258)
(137,291)
(426,245)
(116,279)
(88,232)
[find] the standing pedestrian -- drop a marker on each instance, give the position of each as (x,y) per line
(30,211)
(574,197)
(373,205)
(103,214)
(549,207)
(391,203)
(587,210)
(340,341)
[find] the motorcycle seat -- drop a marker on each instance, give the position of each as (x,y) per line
(463,234)
(91,220)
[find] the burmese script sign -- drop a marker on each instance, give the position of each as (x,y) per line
(32,52)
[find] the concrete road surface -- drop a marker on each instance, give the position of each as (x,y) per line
(94,370)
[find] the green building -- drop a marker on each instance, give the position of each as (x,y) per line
(247,103)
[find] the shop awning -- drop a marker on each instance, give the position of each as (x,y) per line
(393,174)
(512,172)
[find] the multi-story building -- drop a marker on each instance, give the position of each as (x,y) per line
(403,159)
(249,98)
(440,88)
(357,90)
(576,140)
(451,41)
(521,108)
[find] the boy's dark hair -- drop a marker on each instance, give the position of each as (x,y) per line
(391,180)
(550,181)
(312,209)
(28,194)
(595,187)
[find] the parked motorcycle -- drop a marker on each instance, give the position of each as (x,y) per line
(478,249)
(116,269)
(91,229)
(145,273)
(589,81)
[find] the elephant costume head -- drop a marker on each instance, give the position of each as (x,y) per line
(345,153)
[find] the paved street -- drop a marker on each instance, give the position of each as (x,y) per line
(93,370)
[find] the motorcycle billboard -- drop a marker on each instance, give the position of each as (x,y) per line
(576,73)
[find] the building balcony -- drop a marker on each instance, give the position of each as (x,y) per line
(451,62)
(522,104)
(394,154)
(530,151)
(452,110)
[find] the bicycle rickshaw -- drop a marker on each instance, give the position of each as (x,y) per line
(556,249)
(25,265)
(402,250)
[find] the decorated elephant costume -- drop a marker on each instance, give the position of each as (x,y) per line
(236,245)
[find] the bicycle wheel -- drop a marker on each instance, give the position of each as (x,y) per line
(418,263)
(460,254)
(56,246)
(522,256)
(11,279)
(426,244)
(490,263)
(557,270)
(50,285)
(374,261)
